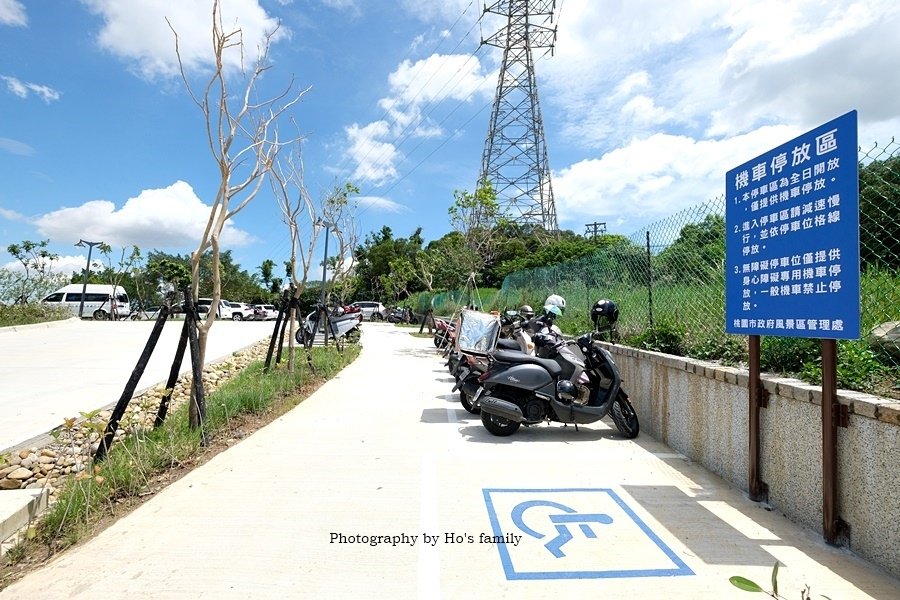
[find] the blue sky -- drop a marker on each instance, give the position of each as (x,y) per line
(646,104)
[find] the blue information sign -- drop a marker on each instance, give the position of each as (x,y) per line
(792,238)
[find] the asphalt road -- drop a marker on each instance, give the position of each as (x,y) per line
(380,485)
(53,371)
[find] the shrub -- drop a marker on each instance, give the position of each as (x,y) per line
(729,350)
(662,337)
(26,314)
(787,354)
(857,367)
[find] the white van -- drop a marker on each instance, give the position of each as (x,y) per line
(99,300)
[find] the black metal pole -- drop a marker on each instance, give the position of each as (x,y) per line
(163,409)
(293,307)
(87,272)
(324,265)
(278,319)
(113,424)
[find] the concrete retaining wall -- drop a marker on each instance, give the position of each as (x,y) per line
(701,410)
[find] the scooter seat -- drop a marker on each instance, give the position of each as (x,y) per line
(510,357)
(507,344)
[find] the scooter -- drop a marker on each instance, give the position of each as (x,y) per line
(579,384)
(402,315)
(337,327)
(467,367)
(445,333)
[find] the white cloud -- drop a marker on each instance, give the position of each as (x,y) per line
(416,89)
(12,12)
(349,6)
(665,101)
(16,147)
(23,89)
(442,11)
(720,67)
(375,159)
(11,215)
(137,32)
(168,218)
(438,77)
(656,176)
(66,265)
(380,203)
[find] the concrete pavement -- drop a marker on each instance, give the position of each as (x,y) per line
(52,371)
(381,486)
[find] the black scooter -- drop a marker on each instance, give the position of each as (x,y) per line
(466,367)
(579,383)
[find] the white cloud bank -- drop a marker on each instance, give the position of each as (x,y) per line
(662,99)
(138,33)
(171,218)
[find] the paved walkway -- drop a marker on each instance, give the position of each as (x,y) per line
(381,486)
(52,371)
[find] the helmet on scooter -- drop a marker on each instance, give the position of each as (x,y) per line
(566,390)
(604,314)
(526,312)
(554,306)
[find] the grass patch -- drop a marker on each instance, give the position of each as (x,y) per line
(144,463)
(29,314)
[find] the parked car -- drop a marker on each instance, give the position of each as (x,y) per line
(239,310)
(264,312)
(223,312)
(372,311)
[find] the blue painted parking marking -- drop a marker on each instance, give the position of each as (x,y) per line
(575,533)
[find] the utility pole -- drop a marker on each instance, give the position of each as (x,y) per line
(87,272)
(592,230)
(515,152)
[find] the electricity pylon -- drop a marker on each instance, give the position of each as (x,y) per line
(515,152)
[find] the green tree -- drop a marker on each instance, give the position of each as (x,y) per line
(474,217)
(121,273)
(37,263)
(373,263)
(267,274)
(697,255)
(879,214)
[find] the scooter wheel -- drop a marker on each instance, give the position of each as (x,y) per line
(440,339)
(499,426)
(467,403)
(625,418)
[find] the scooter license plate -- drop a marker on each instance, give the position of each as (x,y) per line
(461,379)
(477,396)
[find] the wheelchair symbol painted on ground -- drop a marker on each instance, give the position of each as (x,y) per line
(561,523)
(575,533)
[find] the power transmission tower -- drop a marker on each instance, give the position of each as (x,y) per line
(515,152)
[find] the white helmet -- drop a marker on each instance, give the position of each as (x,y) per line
(555,301)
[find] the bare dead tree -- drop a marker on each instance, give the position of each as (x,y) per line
(338,209)
(297,208)
(242,134)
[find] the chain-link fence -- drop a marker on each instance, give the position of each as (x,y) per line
(668,281)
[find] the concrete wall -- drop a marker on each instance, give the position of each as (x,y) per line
(701,410)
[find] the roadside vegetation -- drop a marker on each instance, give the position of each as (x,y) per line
(146,461)
(28,314)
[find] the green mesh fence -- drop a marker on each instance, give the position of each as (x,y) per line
(668,281)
